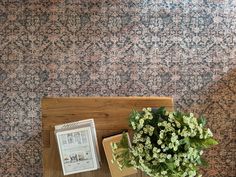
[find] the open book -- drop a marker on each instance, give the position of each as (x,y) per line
(78,148)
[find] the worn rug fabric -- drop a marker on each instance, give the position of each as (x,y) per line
(180,48)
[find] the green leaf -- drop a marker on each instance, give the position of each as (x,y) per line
(124,142)
(203,143)
(170,166)
(132,117)
(209,142)
(187,142)
(161,110)
(202,121)
(179,117)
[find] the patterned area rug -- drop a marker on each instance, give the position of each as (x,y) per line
(180,48)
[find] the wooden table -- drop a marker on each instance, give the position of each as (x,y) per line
(110,115)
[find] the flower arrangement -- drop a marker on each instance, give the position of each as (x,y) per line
(164,144)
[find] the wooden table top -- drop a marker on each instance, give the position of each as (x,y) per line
(109,113)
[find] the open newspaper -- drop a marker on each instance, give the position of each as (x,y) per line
(78,148)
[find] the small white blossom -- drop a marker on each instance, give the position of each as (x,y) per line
(133,125)
(164,172)
(159,142)
(168,156)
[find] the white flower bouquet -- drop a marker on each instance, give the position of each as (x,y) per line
(164,144)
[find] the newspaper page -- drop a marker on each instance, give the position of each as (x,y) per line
(77,150)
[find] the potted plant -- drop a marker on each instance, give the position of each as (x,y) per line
(164,144)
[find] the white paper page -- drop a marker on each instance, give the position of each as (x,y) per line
(77,150)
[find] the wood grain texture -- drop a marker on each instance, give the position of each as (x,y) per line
(110,115)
